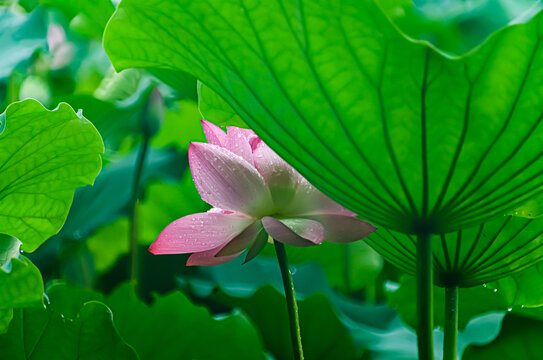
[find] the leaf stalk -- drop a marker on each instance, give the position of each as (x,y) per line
(451,323)
(134,258)
(425,297)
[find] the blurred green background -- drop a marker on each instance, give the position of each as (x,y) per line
(353,304)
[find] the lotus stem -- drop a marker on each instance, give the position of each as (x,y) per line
(346,263)
(451,323)
(290,295)
(425,297)
(134,258)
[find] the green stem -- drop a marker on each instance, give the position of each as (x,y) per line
(425,297)
(451,323)
(347,268)
(134,261)
(290,295)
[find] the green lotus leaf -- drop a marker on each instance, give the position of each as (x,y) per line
(472,256)
(257,285)
(5,318)
(526,283)
(520,339)
(21,283)
(190,332)
(214,108)
(83,331)
(398,132)
(21,286)
(45,156)
(315,310)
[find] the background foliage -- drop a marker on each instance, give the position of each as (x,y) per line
(354,304)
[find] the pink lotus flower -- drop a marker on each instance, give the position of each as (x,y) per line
(254,194)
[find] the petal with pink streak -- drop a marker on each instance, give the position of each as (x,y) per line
(237,141)
(281,178)
(242,241)
(214,134)
(199,232)
(343,229)
(310,201)
(210,258)
(295,232)
(226,181)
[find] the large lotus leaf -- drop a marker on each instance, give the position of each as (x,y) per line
(9,248)
(45,156)
(170,328)
(323,334)
(174,328)
(375,328)
(526,284)
(214,108)
(5,318)
(472,256)
(520,339)
(391,128)
(184,84)
(87,333)
(20,281)
(256,287)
